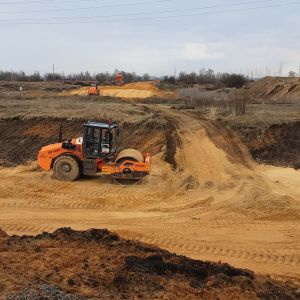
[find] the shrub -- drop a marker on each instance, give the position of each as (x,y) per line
(233,80)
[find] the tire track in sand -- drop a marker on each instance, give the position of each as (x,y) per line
(174,243)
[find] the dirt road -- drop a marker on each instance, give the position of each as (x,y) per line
(217,205)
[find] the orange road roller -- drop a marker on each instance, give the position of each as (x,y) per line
(95,153)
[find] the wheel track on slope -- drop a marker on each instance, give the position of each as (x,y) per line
(265,255)
(33,193)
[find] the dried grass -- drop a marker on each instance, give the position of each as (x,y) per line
(235,102)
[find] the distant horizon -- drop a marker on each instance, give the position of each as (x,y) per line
(250,75)
(154,36)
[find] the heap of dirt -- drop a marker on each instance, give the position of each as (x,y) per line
(277,145)
(136,90)
(100,264)
(275,87)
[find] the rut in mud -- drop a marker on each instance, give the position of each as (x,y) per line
(100,264)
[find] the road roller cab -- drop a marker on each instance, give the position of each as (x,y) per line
(99,140)
(95,152)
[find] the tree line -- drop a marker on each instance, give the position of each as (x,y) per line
(189,79)
(81,76)
(208,77)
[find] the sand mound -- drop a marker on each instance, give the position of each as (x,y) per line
(100,264)
(275,87)
(126,93)
(135,90)
(144,85)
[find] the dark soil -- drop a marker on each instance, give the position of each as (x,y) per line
(42,292)
(21,139)
(172,142)
(277,145)
(98,264)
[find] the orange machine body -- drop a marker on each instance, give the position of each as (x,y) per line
(48,154)
(93,91)
(119,79)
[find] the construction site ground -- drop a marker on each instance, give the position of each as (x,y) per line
(206,198)
(135,90)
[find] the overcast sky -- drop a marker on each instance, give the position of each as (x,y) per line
(100,38)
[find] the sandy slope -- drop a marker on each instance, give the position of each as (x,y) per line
(275,87)
(217,205)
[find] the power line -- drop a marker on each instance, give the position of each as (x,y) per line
(157,17)
(137,14)
(85,7)
(43,2)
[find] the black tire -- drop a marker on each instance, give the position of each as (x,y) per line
(124,181)
(66,168)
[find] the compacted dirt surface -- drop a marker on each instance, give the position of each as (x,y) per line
(136,90)
(213,202)
(98,264)
(206,198)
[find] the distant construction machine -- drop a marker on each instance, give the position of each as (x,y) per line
(95,90)
(95,152)
(119,80)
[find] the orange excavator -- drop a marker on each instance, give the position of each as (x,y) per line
(95,152)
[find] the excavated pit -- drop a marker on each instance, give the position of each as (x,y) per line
(277,145)
(21,138)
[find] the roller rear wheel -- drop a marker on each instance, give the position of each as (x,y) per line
(66,168)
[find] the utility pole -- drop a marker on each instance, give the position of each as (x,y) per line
(280,70)
(53,71)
